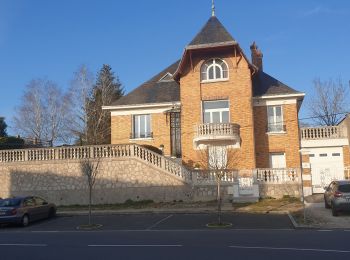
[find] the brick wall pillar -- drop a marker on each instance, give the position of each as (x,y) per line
(306,174)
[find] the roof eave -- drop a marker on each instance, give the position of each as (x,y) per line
(146,105)
(299,96)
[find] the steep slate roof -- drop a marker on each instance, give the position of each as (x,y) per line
(154,90)
(265,85)
(163,88)
(212,32)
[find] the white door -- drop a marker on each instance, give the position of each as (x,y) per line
(327,164)
(277,160)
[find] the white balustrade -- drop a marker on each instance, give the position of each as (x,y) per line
(278,176)
(324,132)
(136,151)
(217,129)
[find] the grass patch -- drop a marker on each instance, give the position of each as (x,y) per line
(89,227)
(270,204)
(140,204)
(217,225)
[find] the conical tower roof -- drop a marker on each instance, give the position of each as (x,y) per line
(212,33)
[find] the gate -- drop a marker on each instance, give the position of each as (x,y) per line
(323,176)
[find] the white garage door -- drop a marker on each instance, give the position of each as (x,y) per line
(327,164)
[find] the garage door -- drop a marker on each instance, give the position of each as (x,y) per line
(327,164)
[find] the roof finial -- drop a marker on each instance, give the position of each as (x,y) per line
(212,8)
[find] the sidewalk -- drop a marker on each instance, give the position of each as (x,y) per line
(317,216)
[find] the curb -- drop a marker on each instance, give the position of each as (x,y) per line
(138,212)
(298,226)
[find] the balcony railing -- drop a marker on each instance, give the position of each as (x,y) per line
(217,131)
(325,132)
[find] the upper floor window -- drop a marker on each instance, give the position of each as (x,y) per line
(141,126)
(216,111)
(275,119)
(214,69)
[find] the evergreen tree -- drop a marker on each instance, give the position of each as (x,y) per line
(3,127)
(106,90)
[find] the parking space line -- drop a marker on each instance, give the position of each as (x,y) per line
(33,245)
(158,222)
(291,249)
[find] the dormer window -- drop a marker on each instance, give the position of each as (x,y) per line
(214,70)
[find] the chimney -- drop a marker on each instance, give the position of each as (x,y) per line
(257,56)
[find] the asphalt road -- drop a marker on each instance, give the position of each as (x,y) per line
(183,244)
(166,236)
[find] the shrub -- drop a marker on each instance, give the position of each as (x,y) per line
(152,148)
(11,142)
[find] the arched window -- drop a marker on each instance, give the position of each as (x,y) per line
(214,69)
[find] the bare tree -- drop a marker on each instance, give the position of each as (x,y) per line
(219,160)
(80,93)
(42,112)
(330,102)
(90,170)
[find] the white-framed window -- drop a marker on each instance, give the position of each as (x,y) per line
(277,160)
(213,70)
(216,111)
(141,126)
(275,119)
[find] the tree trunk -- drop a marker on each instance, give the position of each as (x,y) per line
(219,202)
(90,193)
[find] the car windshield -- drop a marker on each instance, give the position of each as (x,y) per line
(10,202)
(344,188)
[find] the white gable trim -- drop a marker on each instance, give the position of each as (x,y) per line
(142,109)
(280,96)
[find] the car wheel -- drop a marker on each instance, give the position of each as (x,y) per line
(25,221)
(52,213)
(326,205)
(334,211)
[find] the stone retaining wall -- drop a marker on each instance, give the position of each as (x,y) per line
(119,179)
(62,182)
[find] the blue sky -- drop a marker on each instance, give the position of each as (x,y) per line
(301,40)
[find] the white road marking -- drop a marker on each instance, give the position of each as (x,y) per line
(135,245)
(292,249)
(23,245)
(324,230)
(47,231)
(158,222)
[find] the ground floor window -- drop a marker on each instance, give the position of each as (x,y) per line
(277,160)
(142,126)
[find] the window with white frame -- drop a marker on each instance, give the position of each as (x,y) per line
(214,69)
(275,119)
(216,111)
(141,126)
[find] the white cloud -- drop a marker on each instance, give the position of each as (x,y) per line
(324,10)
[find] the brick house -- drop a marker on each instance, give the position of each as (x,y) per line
(213,96)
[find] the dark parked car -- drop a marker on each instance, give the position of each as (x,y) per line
(23,210)
(337,196)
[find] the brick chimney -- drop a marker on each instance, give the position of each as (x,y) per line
(257,56)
